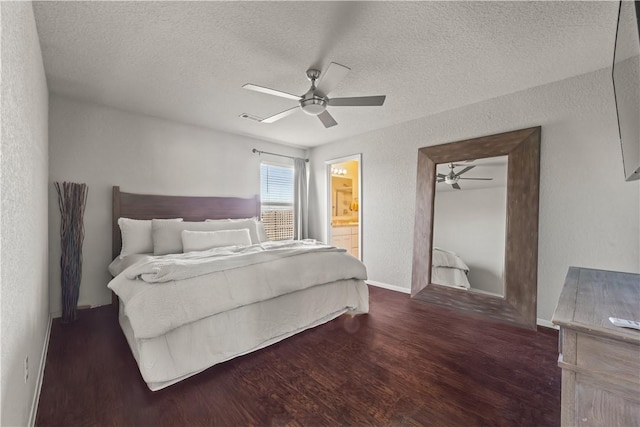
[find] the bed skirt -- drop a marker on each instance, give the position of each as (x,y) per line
(194,347)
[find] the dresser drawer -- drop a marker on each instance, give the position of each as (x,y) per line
(597,406)
(608,357)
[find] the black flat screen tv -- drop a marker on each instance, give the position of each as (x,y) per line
(626,84)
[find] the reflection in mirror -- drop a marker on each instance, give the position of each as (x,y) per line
(470,224)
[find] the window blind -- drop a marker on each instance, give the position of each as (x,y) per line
(276,197)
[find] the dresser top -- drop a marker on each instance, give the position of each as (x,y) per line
(589,297)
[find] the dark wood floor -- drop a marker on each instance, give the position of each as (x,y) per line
(406,363)
(470,302)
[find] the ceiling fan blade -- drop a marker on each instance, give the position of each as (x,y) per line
(331,78)
(456,186)
(271,91)
(479,179)
(440,180)
(326,119)
(280,115)
(441,175)
(358,101)
(467,169)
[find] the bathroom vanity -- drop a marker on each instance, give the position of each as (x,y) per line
(346,236)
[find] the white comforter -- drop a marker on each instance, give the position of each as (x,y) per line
(162,293)
(448,259)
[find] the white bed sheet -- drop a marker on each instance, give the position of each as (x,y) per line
(194,347)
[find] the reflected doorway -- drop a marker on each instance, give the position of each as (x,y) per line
(344,183)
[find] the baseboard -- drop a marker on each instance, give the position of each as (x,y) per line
(43,362)
(546,324)
(58,314)
(387,286)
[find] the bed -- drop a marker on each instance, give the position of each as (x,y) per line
(183,313)
(449,269)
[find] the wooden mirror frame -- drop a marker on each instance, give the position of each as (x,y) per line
(519,303)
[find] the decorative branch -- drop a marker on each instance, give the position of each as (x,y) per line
(72,199)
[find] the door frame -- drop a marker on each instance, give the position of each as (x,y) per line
(328,163)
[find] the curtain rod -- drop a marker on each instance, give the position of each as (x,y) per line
(279,155)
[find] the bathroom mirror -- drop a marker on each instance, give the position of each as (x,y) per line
(518,304)
(469,224)
(342,197)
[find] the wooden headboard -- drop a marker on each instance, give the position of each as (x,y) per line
(145,206)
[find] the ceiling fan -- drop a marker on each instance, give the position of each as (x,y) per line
(452,177)
(315,101)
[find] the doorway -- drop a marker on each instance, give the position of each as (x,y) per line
(344,202)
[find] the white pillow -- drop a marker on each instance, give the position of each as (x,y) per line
(136,235)
(260,231)
(203,240)
(167,236)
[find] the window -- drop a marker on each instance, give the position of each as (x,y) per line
(276,196)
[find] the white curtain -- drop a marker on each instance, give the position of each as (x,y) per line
(300,200)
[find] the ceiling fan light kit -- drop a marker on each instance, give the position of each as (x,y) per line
(315,101)
(310,103)
(313,106)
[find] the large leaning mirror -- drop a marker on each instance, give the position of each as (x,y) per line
(476,228)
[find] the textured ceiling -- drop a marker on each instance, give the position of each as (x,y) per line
(187,61)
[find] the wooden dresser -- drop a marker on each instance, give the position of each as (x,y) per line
(600,362)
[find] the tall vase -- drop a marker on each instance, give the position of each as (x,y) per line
(72,199)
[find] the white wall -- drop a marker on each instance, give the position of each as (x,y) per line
(23,216)
(589,216)
(472,223)
(103,147)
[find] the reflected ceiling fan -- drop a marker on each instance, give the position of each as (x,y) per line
(452,177)
(315,101)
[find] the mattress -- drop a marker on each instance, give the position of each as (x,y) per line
(196,346)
